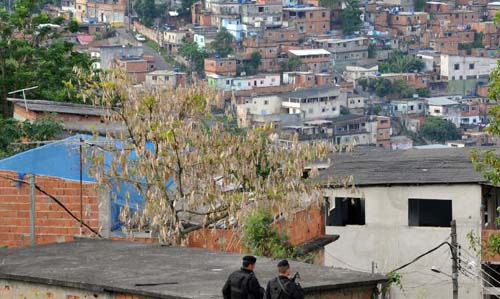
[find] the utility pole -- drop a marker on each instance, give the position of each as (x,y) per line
(32,210)
(454,257)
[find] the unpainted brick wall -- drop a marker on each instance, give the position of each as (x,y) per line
(24,290)
(52,223)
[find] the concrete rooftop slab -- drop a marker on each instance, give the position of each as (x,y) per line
(178,272)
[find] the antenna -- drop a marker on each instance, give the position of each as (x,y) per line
(24,94)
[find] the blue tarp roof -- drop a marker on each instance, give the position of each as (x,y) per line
(62,159)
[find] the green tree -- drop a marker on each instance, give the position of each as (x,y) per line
(13,131)
(185,8)
(194,55)
(261,238)
(382,87)
(250,66)
(439,130)
(344,110)
(36,56)
(293,64)
(222,43)
(350,17)
(372,51)
(419,5)
(73,25)
(147,11)
(399,62)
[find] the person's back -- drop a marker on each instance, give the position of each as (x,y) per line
(282,287)
(242,284)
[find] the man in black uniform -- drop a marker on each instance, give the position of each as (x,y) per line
(243,284)
(282,287)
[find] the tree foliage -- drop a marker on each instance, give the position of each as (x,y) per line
(293,64)
(223,43)
(399,62)
(250,66)
(194,55)
(439,130)
(218,176)
(350,17)
(398,89)
(33,56)
(13,131)
(263,239)
(148,11)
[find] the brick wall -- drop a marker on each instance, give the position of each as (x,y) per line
(15,289)
(300,227)
(52,223)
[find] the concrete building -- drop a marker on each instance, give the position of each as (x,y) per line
(402,206)
(344,50)
(307,20)
(316,60)
(105,55)
(244,83)
(445,108)
(262,15)
(466,67)
(136,66)
(313,103)
(352,72)
(165,78)
(409,23)
(105,11)
(221,66)
(172,40)
(61,273)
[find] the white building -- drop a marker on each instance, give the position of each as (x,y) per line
(466,67)
(401,207)
(353,72)
(314,103)
(446,108)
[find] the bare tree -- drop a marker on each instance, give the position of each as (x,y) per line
(219,174)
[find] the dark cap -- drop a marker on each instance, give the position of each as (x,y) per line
(250,259)
(283,263)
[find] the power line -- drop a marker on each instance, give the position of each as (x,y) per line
(56,201)
(420,256)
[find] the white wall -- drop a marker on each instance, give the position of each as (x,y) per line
(387,240)
(482,66)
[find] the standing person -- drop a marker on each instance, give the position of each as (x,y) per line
(282,287)
(243,284)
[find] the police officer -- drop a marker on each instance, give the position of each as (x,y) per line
(282,287)
(243,284)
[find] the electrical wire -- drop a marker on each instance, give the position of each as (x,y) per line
(346,264)
(420,256)
(57,201)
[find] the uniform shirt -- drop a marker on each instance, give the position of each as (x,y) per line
(255,291)
(294,290)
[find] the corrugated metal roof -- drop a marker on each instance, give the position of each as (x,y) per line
(58,107)
(405,167)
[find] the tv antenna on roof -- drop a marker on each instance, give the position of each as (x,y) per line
(24,94)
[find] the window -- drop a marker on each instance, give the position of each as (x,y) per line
(261,9)
(311,15)
(343,211)
(227,82)
(310,111)
(429,212)
(456,66)
(323,14)
(471,66)
(419,106)
(266,102)
(154,78)
(411,107)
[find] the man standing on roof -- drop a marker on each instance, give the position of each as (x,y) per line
(243,284)
(282,287)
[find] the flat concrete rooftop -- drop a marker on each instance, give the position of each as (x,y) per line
(179,272)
